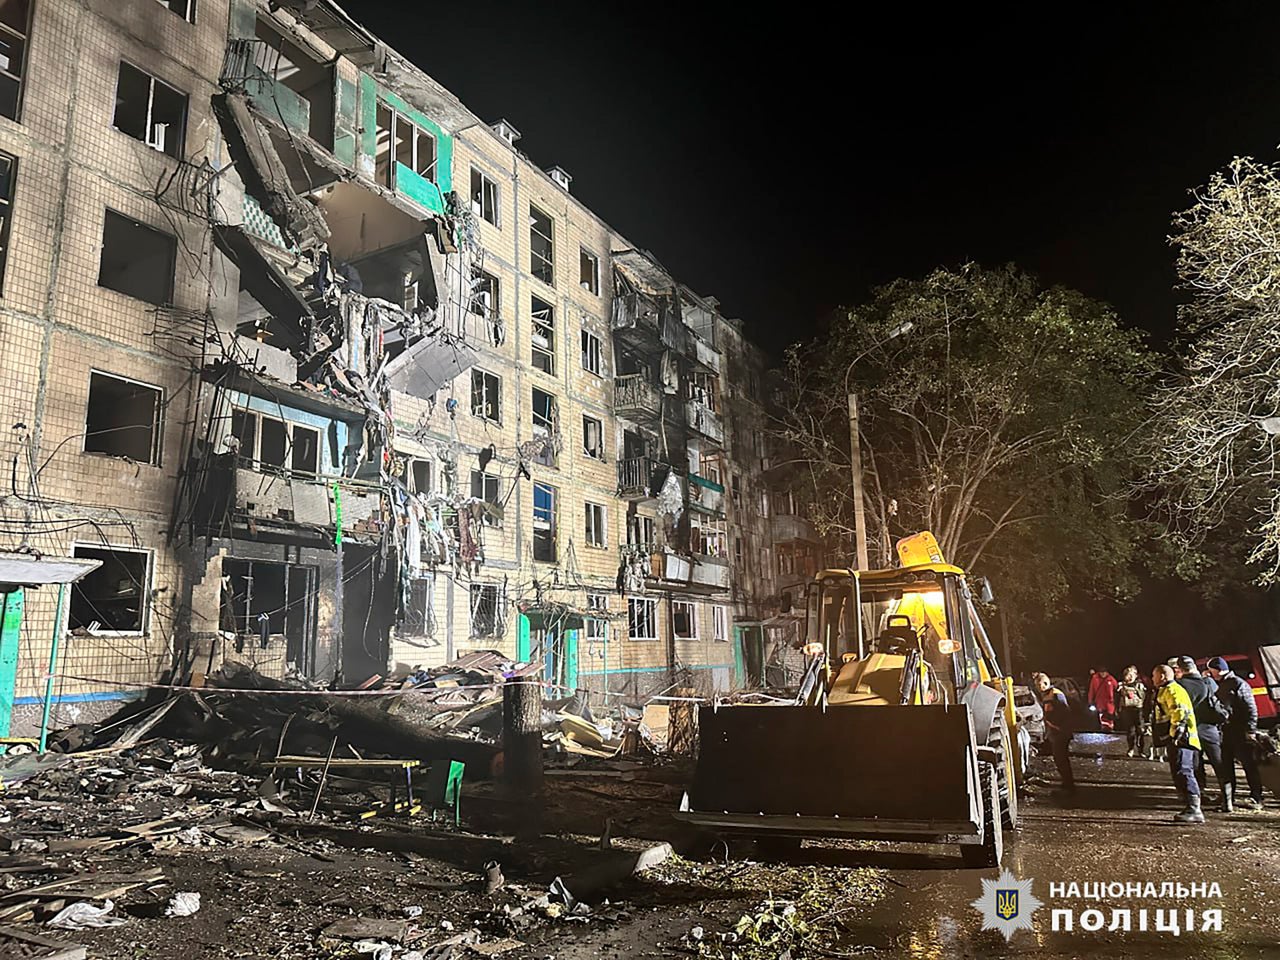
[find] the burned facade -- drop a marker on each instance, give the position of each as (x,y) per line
(334,381)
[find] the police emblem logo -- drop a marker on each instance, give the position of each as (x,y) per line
(1006,904)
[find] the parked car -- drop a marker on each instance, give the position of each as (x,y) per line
(1030,714)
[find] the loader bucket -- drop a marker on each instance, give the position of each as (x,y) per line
(904,772)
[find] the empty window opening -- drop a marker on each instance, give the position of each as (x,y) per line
(114,596)
(589,271)
(400,142)
(546,427)
(264,601)
(15,26)
(486,396)
(419,610)
(8,174)
(486,620)
(642,618)
(590,352)
(268,443)
(597,626)
(595,529)
(484,294)
(150,110)
(186,9)
(719,624)
(123,418)
(544,523)
(542,246)
(484,197)
(704,389)
(416,475)
(544,335)
(684,620)
(640,532)
(592,437)
(708,537)
(137,260)
(484,487)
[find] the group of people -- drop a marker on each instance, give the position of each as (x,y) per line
(1189,718)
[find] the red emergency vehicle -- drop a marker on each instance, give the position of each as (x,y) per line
(1249,667)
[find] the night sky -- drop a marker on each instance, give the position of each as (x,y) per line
(784,164)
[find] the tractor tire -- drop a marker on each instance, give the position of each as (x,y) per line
(990,852)
(1006,781)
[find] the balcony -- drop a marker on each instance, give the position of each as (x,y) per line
(788,527)
(710,572)
(704,420)
(635,398)
(706,495)
(635,477)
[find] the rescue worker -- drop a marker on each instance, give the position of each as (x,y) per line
(1130,696)
(1057,727)
(1176,726)
(1203,692)
(1238,735)
(1102,697)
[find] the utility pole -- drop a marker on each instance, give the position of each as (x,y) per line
(855,464)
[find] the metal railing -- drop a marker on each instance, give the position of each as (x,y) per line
(634,393)
(634,476)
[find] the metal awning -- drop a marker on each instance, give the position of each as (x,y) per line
(33,570)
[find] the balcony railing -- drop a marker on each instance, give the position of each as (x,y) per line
(787,527)
(702,419)
(634,396)
(634,477)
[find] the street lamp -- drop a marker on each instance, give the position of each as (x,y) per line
(855,449)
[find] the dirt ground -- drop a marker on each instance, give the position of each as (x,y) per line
(273,887)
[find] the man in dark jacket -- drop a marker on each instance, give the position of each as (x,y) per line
(1238,734)
(1204,694)
(1057,726)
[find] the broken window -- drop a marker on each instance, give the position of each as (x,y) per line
(720,624)
(485,615)
(764,503)
(137,260)
(266,600)
(419,610)
(150,110)
(597,626)
(123,418)
(186,9)
(544,523)
(642,618)
(484,487)
(486,396)
(401,143)
(544,335)
(737,550)
(737,493)
(8,174)
(640,532)
(592,437)
(704,389)
(596,532)
(707,536)
(589,271)
(417,475)
(15,25)
(546,427)
(268,443)
(710,469)
(542,246)
(484,294)
(300,93)
(684,620)
(113,598)
(484,197)
(590,352)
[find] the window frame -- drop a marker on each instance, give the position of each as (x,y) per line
(545,427)
(482,281)
(179,148)
(497,626)
(591,283)
(6,212)
(173,257)
(255,463)
(189,15)
(157,424)
(537,260)
(588,341)
(485,395)
(144,588)
(391,181)
(486,183)
(597,628)
(692,614)
(427,613)
(598,454)
(484,478)
(719,623)
(20,78)
(550,522)
(650,605)
(546,328)
(596,519)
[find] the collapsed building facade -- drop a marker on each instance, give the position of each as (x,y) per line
(327,377)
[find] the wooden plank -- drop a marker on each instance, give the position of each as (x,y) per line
(349,762)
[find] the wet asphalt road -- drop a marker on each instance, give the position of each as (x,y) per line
(1116,828)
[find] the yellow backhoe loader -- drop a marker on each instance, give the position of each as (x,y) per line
(903,730)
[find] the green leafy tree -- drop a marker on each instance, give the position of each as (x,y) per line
(1212,447)
(1001,421)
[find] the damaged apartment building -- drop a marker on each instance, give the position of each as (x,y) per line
(312,369)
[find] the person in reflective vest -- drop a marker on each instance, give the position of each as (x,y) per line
(1176,726)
